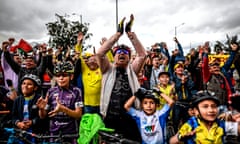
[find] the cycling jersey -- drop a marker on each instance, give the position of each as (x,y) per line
(153,127)
(70,98)
(214,135)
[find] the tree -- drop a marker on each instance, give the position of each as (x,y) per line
(64,32)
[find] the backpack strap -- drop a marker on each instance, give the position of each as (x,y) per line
(221,124)
(194,124)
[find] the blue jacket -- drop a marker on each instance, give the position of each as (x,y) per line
(189,88)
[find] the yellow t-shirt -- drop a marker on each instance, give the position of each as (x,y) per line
(91,82)
(92,85)
(169,92)
(166,90)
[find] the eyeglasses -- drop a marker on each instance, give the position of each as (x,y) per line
(62,74)
(119,51)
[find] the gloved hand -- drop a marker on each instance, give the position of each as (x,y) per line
(121,26)
(129,24)
(156,90)
(140,93)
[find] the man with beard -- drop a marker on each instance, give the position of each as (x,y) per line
(119,81)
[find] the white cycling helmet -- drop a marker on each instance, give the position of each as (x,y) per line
(32,77)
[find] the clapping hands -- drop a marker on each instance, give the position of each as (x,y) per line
(128,25)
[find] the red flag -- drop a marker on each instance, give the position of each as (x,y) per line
(13,49)
(26,47)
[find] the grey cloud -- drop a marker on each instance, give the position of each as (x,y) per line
(27,18)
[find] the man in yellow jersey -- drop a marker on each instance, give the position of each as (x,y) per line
(91,78)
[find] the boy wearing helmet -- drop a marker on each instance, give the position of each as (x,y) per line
(151,122)
(63,103)
(25,113)
(205,127)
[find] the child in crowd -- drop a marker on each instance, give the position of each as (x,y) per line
(151,122)
(63,104)
(165,87)
(205,127)
(25,113)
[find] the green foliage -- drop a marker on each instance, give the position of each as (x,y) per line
(64,32)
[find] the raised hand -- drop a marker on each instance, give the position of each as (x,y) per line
(42,102)
(234,46)
(80,37)
(129,24)
(57,109)
(140,93)
(175,39)
(5,44)
(104,39)
(121,26)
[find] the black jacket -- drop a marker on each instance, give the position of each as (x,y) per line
(17,113)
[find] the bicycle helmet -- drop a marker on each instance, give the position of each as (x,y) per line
(204,95)
(32,77)
(152,94)
(64,67)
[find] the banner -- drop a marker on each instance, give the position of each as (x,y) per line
(222,58)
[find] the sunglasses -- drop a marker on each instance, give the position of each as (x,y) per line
(62,74)
(119,51)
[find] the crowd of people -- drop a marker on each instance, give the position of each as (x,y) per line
(136,92)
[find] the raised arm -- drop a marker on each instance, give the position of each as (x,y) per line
(169,100)
(129,103)
(180,49)
(141,53)
(230,60)
(205,67)
(14,65)
(103,61)
(139,61)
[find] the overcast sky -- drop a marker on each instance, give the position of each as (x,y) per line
(155,20)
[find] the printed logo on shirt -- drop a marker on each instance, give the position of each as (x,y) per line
(55,95)
(69,96)
(150,130)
